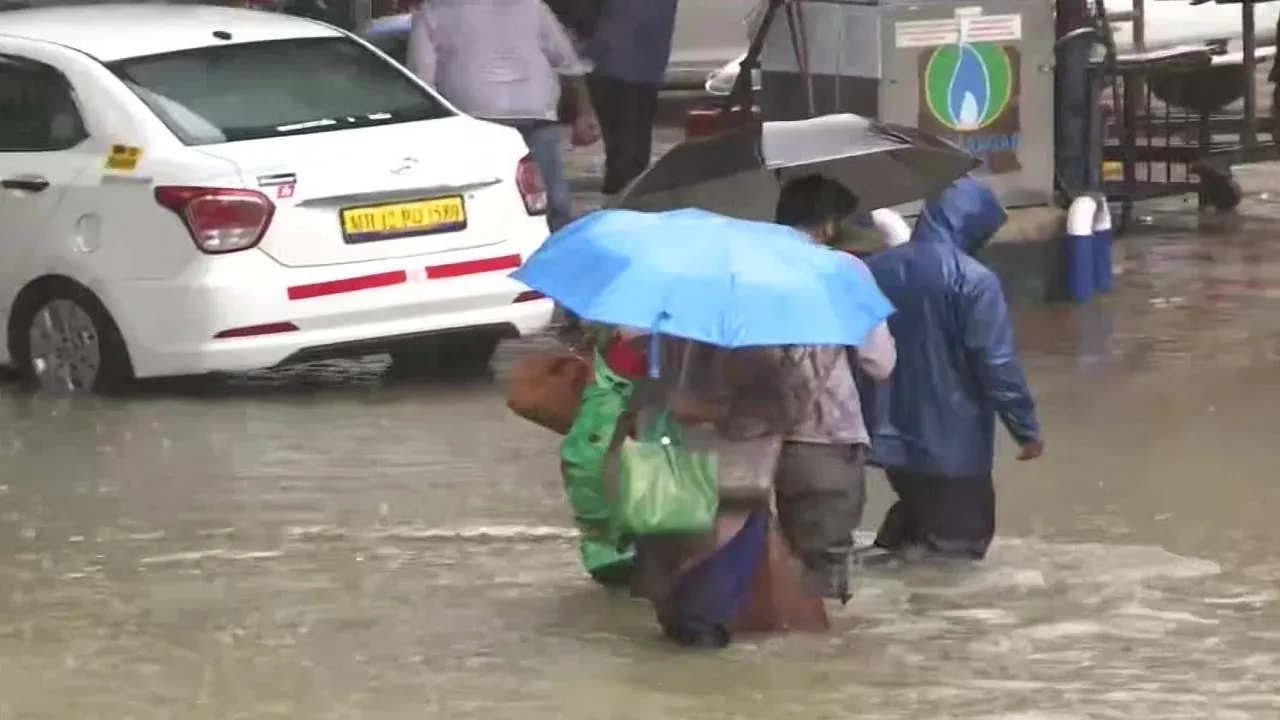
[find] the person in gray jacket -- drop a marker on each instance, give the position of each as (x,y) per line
(821,478)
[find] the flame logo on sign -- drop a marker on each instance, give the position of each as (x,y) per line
(968,86)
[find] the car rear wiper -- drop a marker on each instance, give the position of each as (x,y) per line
(356,119)
(306,125)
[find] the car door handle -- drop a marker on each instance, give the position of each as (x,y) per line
(26,183)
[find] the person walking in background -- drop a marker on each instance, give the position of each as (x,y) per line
(503,61)
(630,48)
(934,429)
(821,479)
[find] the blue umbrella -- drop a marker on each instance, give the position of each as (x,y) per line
(706,277)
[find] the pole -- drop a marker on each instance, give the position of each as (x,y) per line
(1135,85)
(742,95)
(1248,134)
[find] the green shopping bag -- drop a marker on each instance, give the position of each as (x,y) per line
(663,486)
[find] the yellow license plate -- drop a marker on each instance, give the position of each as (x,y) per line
(398,220)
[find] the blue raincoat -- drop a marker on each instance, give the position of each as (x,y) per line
(957,363)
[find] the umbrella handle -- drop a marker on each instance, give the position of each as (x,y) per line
(655,347)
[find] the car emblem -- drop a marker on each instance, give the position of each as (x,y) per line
(404,166)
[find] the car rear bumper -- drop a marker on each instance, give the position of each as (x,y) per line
(278,316)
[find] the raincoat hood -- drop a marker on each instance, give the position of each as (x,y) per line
(966,214)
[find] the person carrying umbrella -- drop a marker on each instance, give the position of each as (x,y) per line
(935,437)
(691,278)
(821,479)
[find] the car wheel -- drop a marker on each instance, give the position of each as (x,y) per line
(446,355)
(63,340)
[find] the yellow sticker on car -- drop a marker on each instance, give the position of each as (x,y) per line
(123,158)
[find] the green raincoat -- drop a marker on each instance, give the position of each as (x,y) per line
(582,463)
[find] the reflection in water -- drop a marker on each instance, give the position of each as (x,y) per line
(332,545)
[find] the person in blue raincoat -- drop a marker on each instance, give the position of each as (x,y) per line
(957,371)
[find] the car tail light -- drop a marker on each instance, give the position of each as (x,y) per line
(533,191)
(220,220)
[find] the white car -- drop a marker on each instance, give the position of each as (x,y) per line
(192,189)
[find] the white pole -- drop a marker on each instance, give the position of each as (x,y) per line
(893,228)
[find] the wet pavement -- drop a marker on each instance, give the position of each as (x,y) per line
(337,542)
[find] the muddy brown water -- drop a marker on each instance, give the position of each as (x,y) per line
(334,543)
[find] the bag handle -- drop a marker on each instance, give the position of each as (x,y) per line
(593,337)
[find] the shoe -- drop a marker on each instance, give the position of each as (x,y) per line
(699,636)
(874,557)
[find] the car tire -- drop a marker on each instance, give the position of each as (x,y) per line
(81,350)
(466,353)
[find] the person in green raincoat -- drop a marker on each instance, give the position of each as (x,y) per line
(606,553)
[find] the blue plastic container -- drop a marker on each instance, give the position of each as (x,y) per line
(1103,270)
(1078,267)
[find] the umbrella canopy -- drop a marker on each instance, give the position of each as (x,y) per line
(740,172)
(706,277)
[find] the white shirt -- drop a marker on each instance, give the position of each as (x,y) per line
(493,59)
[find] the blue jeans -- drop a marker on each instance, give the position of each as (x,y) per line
(546,145)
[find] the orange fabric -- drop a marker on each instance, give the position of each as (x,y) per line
(781,599)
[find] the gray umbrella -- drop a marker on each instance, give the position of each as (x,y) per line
(741,171)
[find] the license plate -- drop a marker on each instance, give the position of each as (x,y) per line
(406,219)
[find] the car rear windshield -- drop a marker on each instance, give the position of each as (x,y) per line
(226,93)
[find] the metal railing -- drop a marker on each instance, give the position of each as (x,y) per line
(1179,118)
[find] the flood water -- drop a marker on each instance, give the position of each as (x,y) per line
(333,543)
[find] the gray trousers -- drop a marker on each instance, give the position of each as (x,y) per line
(821,492)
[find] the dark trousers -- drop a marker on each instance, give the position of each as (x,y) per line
(626,111)
(821,491)
(943,518)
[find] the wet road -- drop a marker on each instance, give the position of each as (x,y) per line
(338,544)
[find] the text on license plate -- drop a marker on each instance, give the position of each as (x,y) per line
(397,220)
